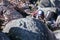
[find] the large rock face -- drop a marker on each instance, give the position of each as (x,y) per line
(28,29)
(3,36)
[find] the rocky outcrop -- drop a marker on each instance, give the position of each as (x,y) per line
(28,29)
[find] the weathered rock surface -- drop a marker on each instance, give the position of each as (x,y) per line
(11,14)
(57,3)
(1,2)
(4,2)
(28,29)
(57,34)
(49,3)
(58,21)
(3,36)
(45,3)
(2,8)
